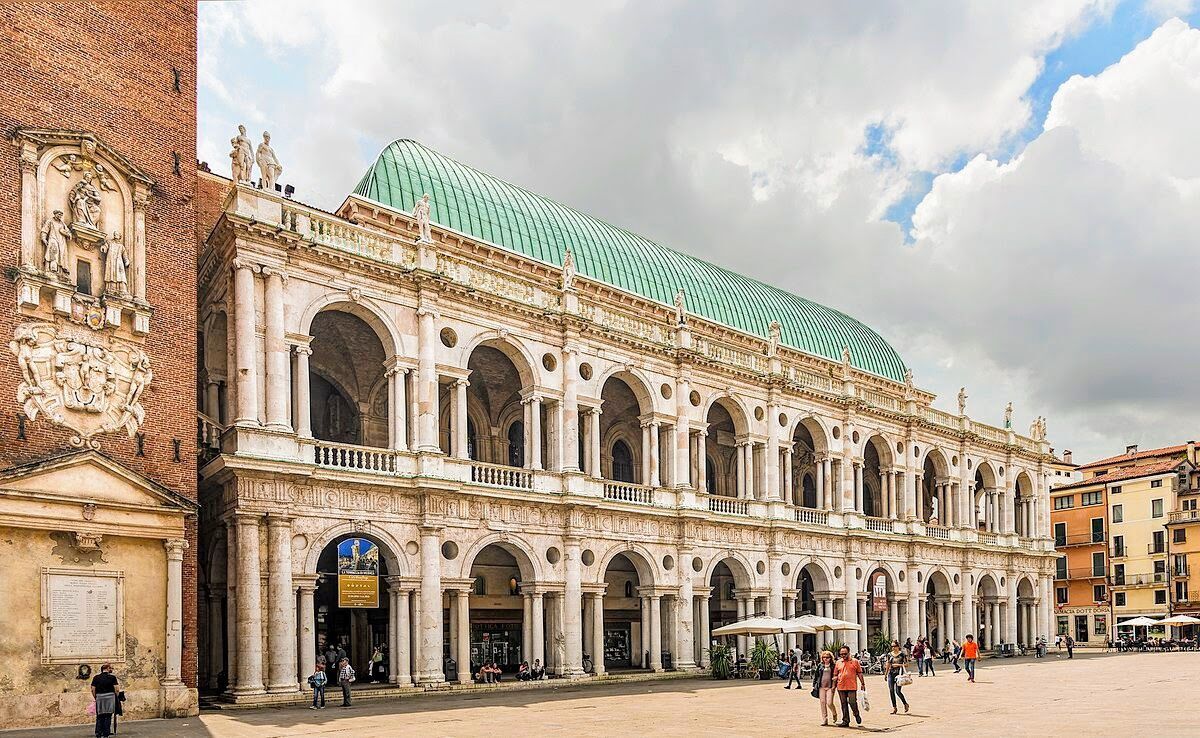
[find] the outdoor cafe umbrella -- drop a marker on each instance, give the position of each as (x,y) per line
(1179,620)
(811,623)
(758,626)
(1139,622)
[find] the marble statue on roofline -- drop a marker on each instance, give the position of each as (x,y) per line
(1008,411)
(420,213)
(241,157)
(962,400)
(568,270)
(680,308)
(268,164)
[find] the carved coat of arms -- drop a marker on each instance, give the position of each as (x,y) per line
(82,382)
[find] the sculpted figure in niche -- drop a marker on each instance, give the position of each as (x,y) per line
(420,214)
(116,265)
(85,203)
(242,156)
(55,235)
(268,163)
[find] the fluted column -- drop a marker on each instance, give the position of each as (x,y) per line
(306,629)
(281,599)
(249,606)
(427,381)
(173,666)
(570,406)
(278,380)
(245,343)
(431,606)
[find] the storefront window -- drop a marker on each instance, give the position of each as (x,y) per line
(1063,624)
(1100,625)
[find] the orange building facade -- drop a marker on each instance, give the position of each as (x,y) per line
(1080,528)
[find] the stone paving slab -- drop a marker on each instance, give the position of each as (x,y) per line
(1092,695)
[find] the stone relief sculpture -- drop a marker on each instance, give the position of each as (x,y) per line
(420,213)
(85,203)
(88,386)
(568,269)
(116,264)
(268,164)
(55,236)
(962,400)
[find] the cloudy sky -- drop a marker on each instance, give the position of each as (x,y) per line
(1008,191)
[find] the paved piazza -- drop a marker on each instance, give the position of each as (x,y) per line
(1096,695)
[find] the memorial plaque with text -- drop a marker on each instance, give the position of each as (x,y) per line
(82,616)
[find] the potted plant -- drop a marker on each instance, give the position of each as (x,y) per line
(719,657)
(764,658)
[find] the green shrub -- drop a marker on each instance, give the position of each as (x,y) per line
(719,655)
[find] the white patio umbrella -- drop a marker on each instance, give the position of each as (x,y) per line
(755,627)
(1139,622)
(1180,620)
(812,623)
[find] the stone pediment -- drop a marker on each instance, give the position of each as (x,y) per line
(68,137)
(91,478)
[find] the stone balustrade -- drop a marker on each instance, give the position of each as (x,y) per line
(623,492)
(496,475)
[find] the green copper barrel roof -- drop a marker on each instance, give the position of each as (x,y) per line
(492,210)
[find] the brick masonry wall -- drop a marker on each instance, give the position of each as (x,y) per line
(107,67)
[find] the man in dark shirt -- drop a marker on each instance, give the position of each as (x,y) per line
(104,691)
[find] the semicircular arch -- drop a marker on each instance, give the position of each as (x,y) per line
(364,309)
(389,547)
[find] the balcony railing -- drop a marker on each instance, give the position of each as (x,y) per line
(1156,548)
(208,433)
(990,539)
(728,505)
(1140,580)
(1183,516)
(1079,539)
(878,399)
(497,475)
(937,531)
(813,517)
(1119,552)
(354,458)
(623,492)
(940,417)
(881,525)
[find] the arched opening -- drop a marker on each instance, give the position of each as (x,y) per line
(882,609)
(988,612)
(497,422)
(939,610)
(348,400)
(625,458)
(622,462)
(878,483)
(1026,510)
(730,454)
(805,485)
(989,505)
(731,600)
(214,359)
(813,597)
(1027,607)
(499,632)
(629,605)
(936,493)
(351,604)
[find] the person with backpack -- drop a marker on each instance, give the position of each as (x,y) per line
(345,678)
(317,681)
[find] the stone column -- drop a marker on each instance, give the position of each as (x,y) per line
(789,488)
(994,624)
(245,343)
(1010,634)
(527,627)
(402,660)
(427,387)
(789,612)
(301,403)
(249,606)
(702,461)
(462,602)
(704,637)
(827,482)
(971,621)
(29,219)
(538,628)
(398,407)
(431,606)
(173,671)
(278,381)
(922,615)
(597,642)
(771,455)
(281,599)
(850,593)
(919,496)
(858,486)
(232,569)
(655,633)
(306,630)
(216,639)
(570,405)
(594,443)
(894,618)
(685,634)
(739,460)
(572,609)
(212,398)
(742,607)
(862,620)
(652,459)
(460,419)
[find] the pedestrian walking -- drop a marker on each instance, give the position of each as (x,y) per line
(929,654)
(376,664)
(1070,647)
(345,678)
(824,686)
(970,652)
(957,650)
(317,681)
(793,669)
(104,692)
(896,675)
(918,654)
(849,679)
(946,651)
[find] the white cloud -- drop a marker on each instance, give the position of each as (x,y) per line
(1053,280)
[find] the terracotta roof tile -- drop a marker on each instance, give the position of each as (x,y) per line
(1133,472)
(1148,454)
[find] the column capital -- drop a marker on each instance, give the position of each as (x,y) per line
(277,520)
(462,382)
(239,263)
(299,350)
(270,271)
(175,548)
(306,582)
(246,517)
(428,529)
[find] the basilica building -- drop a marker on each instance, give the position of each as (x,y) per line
(460,422)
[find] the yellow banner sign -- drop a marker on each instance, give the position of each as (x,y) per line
(358,590)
